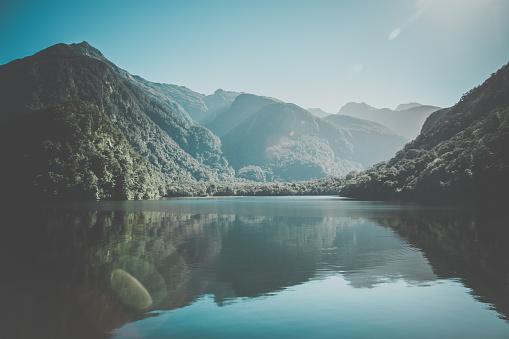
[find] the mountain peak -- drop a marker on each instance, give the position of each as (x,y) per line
(318,112)
(56,51)
(355,106)
(88,50)
(402,107)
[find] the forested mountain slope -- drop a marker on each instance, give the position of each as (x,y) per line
(156,91)
(461,156)
(72,151)
(372,141)
(186,103)
(284,142)
(59,74)
(244,106)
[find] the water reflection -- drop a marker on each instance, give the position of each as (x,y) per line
(84,270)
(466,245)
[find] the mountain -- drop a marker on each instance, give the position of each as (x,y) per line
(244,106)
(180,151)
(402,107)
(373,142)
(406,120)
(154,90)
(217,103)
(434,117)
(191,106)
(72,151)
(461,156)
(283,142)
(257,140)
(318,112)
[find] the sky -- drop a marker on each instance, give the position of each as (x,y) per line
(314,53)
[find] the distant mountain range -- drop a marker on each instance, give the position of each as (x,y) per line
(373,142)
(186,136)
(406,120)
(244,106)
(287,143)
(461,155)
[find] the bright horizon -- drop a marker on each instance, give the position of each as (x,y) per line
(316,54)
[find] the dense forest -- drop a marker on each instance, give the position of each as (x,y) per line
(460,156)
(267,140)
(73,151)
(74,125)
(308,154)
(182,152)
(325,186)
(186,103)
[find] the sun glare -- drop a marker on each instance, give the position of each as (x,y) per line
(394,34)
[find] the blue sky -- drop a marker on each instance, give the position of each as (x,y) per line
(313,53)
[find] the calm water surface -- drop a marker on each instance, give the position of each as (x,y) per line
(253,267)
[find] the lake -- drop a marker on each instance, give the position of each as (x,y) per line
(253,267)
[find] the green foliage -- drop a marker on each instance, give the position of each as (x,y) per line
(73,151)
(324,186)
(287,142)
(59,74)
(372,142)
(461,157)
(252,173)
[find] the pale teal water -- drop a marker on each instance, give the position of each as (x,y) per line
(255,267)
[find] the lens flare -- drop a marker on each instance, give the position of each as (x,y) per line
(394,34)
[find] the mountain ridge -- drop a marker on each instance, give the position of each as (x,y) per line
(407,122)
(59,73)
(192,106)
(287,143)
(460,157)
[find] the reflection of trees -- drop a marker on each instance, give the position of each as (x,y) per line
(471,246)
(261,255)
(67,268)
(367,255)
(61,263)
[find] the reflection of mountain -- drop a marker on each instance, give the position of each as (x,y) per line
(90,268)
(263,255)
(64,267)
(368,255)
(469,246)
